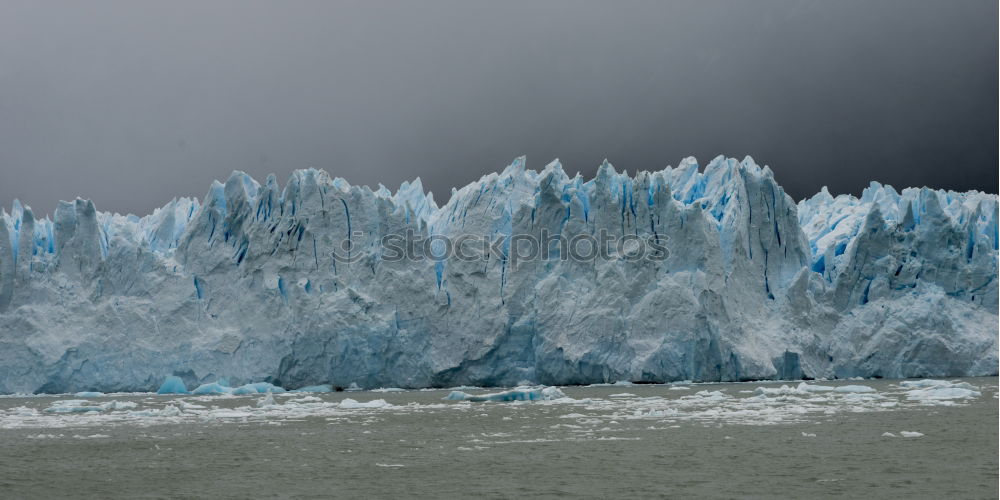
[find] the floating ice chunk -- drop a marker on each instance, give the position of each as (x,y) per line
(84,406)
(306,399)
(710,395)
(173,385)
(678,388)
(888,435)
(942,393)
(92,436)
(784,390)
(389,465)
(808,435)
(167,411)
(22,411)
(315,388)
(267,400)
(257,388)
(622,395)
(854,389)
(927,383)
(73,406)
(929,390)
(815,388)
(119,405)
(354,387)
(389,389)
(88,394)
(352,404)
(213,388)
(518,394)
(910,434)
(170,411)
(655,413)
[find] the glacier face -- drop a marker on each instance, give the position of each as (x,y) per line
(243,285)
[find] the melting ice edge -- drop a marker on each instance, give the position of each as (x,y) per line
(243,285)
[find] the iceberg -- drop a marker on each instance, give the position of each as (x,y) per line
(294,284)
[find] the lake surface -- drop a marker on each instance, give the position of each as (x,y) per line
(748,440)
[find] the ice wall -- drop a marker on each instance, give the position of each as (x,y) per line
(243,285)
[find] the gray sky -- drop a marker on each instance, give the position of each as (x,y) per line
(133,103)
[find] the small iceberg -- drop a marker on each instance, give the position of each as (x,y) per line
(518,394)
(173,385)
(167,411)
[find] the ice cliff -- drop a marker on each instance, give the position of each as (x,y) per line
(243,285)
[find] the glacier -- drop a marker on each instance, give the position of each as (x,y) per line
(242,285)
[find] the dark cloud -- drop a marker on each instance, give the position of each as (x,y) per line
(132,103)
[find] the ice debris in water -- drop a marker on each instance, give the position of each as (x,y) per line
(89,394)
(517,394)
(910,434)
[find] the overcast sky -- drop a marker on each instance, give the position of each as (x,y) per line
(132,103)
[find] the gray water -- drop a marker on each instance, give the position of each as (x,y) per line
(703,440)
